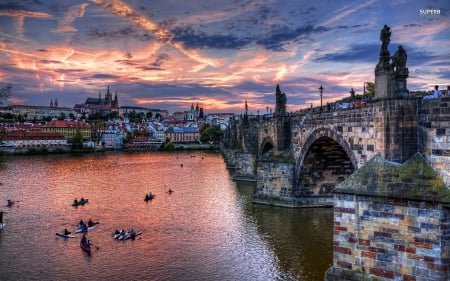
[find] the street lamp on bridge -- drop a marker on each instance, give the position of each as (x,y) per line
(321,92)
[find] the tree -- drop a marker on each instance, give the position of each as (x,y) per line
(98,129)
(77,140)
(149,115)
(62,116)
(5,93)
(370,90)
(210,133)
(128,137)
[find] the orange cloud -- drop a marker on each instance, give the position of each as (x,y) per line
(22,13)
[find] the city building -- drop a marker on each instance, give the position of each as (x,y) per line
(124,111)
(27,139)
(68,128)
(36,113)
(112,137)
(182,134)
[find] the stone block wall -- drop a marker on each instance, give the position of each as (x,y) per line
(434,134)
(389,238)
(392,222)
(245,166)
(228,156)
(274,183)
(395,124)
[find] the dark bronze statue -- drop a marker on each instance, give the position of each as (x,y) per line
(385,37)
(399,60)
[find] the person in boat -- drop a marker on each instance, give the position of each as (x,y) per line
(83,240)
(170,191)
(75,201)
(66,232)
(82,199)
(132,234)
(81,223)
(90,223)
(83,226)
(116,232)
(10,202)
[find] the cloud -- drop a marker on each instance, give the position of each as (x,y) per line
(74,12)
(102,76)
(355,52)
(192,39)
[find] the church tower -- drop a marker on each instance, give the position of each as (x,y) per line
(108,97)
(115,104)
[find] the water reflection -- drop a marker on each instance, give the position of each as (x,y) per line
(206,230)
(301,239)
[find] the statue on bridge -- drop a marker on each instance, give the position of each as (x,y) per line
(399,60)
(280,102)
(385,37)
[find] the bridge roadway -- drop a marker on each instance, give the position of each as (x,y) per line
(302,158)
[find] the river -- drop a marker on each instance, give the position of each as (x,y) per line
(207,229)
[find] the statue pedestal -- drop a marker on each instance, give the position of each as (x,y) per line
(384,77)
(384,84)
(400,83)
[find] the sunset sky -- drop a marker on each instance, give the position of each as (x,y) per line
(168,54)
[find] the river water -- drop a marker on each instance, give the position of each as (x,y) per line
(207,229)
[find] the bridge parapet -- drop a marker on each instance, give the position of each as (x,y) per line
(434,134)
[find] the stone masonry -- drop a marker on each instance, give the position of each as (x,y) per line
(434,134)
(392,222)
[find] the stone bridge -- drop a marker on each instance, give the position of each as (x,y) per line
(298,160)
(384,166)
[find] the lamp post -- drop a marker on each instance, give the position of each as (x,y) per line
(321,92)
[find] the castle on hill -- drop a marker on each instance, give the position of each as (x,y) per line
(106,104)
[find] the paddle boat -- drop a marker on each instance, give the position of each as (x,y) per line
(86,246)
(82,201)
(149,197)
(63,234)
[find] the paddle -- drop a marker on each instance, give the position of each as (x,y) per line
(93,246)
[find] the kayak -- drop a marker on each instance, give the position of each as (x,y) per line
(86,247)
(61,234)
(126,235)
(81,202)
(149,197)
(10,203)
(135,235)
(80,230)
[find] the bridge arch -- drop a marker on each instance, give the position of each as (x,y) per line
(266,145)
(325,159)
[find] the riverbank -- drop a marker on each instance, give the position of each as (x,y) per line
(68,150)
